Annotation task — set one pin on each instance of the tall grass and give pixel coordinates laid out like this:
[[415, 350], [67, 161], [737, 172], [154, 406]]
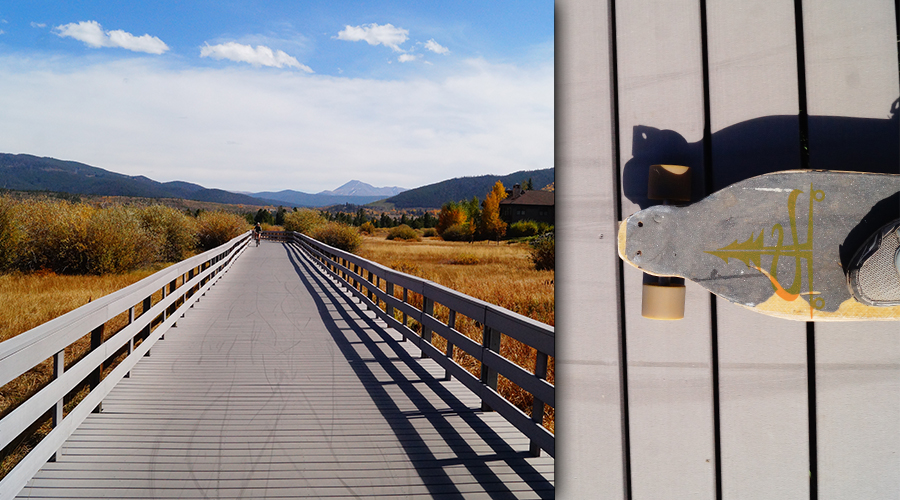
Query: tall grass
[[31, 299], [500, 274], [45, 234]]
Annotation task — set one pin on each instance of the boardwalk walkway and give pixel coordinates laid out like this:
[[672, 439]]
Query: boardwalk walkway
[[275, 386]]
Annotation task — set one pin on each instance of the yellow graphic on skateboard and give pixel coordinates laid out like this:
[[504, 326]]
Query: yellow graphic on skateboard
[[750, 252]]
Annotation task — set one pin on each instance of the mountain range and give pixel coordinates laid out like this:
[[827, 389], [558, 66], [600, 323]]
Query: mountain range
[[32, 173], [354, 192], [25, 172]]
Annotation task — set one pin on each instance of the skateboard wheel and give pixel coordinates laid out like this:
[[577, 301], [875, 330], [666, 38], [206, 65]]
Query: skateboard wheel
[[669, 182], [663, 301]]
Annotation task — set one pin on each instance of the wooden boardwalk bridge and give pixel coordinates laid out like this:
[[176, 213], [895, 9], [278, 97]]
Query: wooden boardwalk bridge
[[279, 382]]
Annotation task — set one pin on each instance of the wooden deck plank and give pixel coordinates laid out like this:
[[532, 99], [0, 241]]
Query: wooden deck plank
[[272, 387]]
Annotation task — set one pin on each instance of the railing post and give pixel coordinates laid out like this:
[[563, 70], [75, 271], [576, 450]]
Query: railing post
[[537, 411], [428, 309], [59, 366], [378, 286], [490, 341], [94, 377], [130, 339], [174, 305], [388, 308], [451, 323], [165, 313], [145, 332], [405, 301]]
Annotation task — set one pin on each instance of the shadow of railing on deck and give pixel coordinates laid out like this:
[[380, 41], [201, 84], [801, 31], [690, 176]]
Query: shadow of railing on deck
[[430, 468]]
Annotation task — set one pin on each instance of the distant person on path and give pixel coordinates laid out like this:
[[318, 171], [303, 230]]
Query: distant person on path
[[256, 232]]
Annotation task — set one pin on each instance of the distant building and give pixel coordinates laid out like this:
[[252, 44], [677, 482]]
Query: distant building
[[528, 205]]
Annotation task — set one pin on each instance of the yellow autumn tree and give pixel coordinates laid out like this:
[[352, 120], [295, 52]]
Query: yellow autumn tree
[[492, 227], [452, 214]]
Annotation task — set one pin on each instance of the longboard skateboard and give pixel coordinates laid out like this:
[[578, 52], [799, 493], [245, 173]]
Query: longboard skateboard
[[777, 243]]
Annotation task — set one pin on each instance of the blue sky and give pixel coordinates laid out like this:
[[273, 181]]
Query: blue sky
[[253, 96]]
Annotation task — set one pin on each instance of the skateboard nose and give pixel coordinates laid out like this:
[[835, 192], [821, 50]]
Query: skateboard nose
[[647, 240]]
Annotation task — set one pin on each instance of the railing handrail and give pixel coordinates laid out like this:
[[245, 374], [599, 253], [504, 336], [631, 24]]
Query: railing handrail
[[495, 319], [49, 340], [96, 312]]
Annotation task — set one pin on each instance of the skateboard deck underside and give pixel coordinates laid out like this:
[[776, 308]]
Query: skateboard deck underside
[[777, 243]]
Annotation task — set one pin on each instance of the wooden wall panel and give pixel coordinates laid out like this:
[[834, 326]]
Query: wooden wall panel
[[849, 84], [753, 89], [661, 120], [852, 80], [589, 417]]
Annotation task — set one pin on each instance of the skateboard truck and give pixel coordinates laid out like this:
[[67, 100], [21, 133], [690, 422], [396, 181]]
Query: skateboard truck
[[663, 296]]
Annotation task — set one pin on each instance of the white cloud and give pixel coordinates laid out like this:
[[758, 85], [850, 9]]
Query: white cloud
[[407, 57], [288, 130], [259, 56], [2, 32], [436, 47], [375, 34], [92, 34], [38, 25]]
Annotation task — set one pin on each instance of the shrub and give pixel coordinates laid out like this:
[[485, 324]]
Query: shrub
[[338, 235], [217, 228], [178, 231], [117, 242], [543, 252], [522, 228], [403, 232], [367, 228], [452, 214], [56, 236], [464, 259], [303, 221], [457, 232], [77, 238], [12, 236], [429, 232]]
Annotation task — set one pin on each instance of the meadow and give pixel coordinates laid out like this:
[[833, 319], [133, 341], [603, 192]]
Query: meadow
[[31, 299], [57, 255], [500, 273]]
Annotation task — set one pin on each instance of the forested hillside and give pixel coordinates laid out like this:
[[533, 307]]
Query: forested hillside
[[464, 188], [33, 173]]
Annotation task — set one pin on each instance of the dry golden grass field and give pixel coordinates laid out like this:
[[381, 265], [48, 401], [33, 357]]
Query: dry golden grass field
[[32, 299], [502, 274]]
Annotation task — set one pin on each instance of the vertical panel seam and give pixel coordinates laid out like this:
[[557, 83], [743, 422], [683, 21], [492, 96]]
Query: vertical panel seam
[[620, 266], [897, 34], [805, 163], [713, 312], [811, 405]]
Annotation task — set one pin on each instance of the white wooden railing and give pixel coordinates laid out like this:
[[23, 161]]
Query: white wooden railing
[[375, 285], [163, 298], [174, 290]]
